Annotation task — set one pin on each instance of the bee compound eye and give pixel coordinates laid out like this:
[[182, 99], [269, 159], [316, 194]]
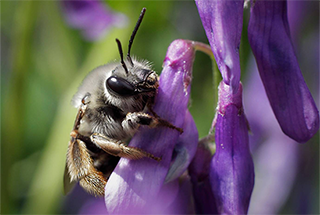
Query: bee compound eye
[[120, 86]]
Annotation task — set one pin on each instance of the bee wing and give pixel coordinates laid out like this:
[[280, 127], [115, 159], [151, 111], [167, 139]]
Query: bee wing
[[68, 185]]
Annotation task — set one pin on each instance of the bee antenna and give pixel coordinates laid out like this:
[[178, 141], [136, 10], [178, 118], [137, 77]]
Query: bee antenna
[[134, 33], [121, 55]]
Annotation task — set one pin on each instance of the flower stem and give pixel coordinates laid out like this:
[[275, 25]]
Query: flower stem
[[198, 46]]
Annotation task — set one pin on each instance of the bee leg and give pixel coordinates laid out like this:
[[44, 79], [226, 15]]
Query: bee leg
[[118, 148], [79, 164], [94, 183], [80, 168], [133, 120]]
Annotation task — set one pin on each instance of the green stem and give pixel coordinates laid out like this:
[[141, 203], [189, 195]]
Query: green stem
[[198, 46]]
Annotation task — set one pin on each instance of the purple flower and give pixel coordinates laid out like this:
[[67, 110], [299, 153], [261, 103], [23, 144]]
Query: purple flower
[[288, 94], [184, 149], [93, 206], [183, 202], [222, 21], [93, 18], [134, 185], [199, 170], [232, 173]]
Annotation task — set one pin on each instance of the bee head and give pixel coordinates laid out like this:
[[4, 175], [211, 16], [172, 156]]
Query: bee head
[[139, 78]]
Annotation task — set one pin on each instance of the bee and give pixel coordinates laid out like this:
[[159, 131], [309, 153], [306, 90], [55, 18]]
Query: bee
[[113, 101]]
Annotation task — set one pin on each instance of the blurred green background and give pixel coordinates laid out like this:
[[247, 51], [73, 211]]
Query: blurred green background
[[43, 61]]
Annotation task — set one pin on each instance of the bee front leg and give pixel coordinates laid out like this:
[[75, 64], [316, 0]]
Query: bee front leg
[[118, 148], [133, 120]]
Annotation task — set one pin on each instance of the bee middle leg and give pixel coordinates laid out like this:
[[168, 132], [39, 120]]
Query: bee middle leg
[[118, 148], [133, 120]]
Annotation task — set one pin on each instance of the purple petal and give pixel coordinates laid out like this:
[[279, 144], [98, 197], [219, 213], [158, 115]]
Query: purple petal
[[183, 204], [184, 150], [135, 184], [94, 18], [232, 174], [94, 206], [222, 21], [288, 94], [199, 173]]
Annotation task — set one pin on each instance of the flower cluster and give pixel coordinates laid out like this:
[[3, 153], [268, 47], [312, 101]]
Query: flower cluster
[[231, 171], [192, 177]]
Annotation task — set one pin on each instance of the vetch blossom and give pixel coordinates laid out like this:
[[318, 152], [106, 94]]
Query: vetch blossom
[[199, 170], [183, 203], [134, 185], [93, 206], [222, 22], [289, 96], [184, 149], [93, 18], [231, 171]]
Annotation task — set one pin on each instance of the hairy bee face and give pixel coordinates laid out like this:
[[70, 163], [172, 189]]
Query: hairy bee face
[[140, 79]]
